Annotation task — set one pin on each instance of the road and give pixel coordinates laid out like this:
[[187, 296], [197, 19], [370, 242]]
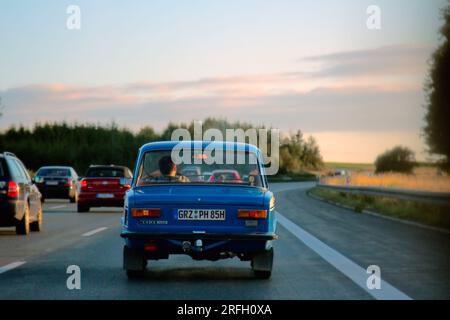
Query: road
[[323, 253]]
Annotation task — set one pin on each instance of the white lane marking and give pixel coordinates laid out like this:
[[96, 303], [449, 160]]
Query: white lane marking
[[58, 207], [349, 268], [90, 233], [11, 266]]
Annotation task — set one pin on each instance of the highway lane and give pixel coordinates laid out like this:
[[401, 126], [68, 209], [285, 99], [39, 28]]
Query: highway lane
[[412, 260]]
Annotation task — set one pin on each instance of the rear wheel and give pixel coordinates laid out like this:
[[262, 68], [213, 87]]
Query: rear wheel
[[134, 262], [83, 208], [262, 264], [23, 226], [36, 226]]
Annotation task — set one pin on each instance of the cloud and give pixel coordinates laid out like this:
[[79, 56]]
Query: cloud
[[351, 108], [366, 97], [383, 61]]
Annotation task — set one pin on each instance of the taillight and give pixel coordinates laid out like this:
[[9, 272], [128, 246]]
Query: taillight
[[125, 183], [13, 190], [83, 184], [151, 246], [146, 213], [252, 214], [68, 183], [126, 186]]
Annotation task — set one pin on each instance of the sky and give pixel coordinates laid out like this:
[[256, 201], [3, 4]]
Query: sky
[[290, 64]]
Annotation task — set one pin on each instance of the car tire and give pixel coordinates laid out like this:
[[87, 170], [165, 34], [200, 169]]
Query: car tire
[[83, 208], [134, 262], [36, 226], [23, 226], [262, 264]]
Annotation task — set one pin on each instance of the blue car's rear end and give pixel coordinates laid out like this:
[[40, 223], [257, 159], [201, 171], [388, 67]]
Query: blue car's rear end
[[204, 220]]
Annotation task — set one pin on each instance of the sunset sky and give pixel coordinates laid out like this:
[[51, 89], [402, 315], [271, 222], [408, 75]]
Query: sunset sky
[[290, 64]]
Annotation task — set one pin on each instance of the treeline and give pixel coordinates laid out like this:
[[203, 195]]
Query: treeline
[[80, 145]]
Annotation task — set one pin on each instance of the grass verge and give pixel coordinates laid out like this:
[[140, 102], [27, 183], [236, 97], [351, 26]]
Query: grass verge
[[428, 214], [293, 177]]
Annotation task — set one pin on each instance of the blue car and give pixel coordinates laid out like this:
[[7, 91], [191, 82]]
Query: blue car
[[185, 200]]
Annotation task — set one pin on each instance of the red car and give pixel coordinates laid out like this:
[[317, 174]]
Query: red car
[[104, 186], [225, 176]]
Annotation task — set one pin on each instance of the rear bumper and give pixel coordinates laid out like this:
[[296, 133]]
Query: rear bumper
[[91, 199], [196, 236]]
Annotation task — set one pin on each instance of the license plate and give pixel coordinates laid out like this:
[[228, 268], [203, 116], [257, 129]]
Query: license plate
[[52, 183], [202, 214], [105, 195]]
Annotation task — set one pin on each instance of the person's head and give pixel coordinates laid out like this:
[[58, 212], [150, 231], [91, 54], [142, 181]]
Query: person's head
[[167, 166]]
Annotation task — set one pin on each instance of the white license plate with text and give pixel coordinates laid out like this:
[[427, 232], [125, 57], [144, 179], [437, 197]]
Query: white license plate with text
[[105, 196], [202, 214]]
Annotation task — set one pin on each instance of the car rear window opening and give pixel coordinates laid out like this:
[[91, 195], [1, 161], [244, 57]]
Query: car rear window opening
[[105, 173], [53, 173]]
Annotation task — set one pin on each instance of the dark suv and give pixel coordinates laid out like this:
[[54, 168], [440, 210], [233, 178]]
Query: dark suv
[[20, 199], [57, 183]]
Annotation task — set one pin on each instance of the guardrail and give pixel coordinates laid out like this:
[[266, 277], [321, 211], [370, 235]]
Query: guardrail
[[441, 198]]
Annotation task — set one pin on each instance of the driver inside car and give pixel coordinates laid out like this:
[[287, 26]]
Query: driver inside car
[[168, 171]]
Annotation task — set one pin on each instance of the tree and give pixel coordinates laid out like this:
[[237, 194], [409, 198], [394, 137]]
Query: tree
[[399, 159], [437, 129], [297, 155]]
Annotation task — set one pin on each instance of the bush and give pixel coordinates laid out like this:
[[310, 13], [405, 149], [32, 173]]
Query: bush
[[399, 159]]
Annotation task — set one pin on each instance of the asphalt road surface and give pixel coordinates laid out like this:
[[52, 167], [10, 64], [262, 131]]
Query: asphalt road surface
[[323, 253]]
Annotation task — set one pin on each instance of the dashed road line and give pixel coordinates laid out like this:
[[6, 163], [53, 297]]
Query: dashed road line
[[346, 266], [92, 232], [11, 266], [58, 207]]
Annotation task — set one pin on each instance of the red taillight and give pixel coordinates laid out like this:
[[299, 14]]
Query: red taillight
[[13, 190], [126, 186], [146, 213], [68, 183], [151, 246], [83, 184], [252, 214]]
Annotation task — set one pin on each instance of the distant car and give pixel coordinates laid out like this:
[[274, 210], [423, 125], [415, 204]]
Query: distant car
[[20, 199], [57, 183], [104, 186], [207, 175], [193, 173], [167, 214], [225, 176], [340, 173]]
